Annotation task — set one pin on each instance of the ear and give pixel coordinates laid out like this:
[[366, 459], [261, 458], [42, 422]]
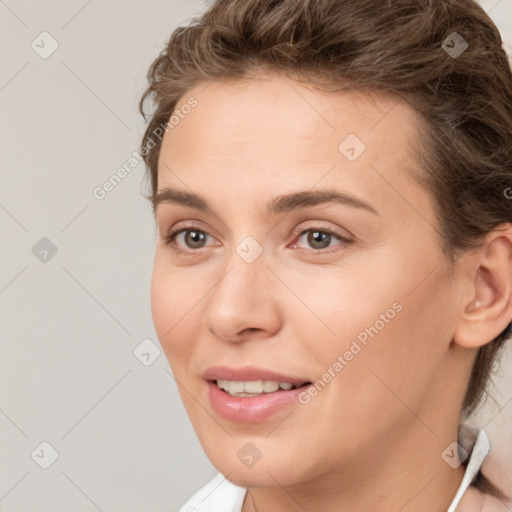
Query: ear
[[486, 309]]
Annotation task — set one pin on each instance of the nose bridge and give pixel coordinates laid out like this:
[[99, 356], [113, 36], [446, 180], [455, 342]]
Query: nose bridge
[[249, 250], [242, 298], [245, 269]]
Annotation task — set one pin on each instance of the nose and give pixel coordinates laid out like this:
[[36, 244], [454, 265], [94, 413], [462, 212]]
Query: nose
[[244, 302]]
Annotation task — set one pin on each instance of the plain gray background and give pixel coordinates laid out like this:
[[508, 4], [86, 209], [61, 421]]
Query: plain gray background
[[75, 273]]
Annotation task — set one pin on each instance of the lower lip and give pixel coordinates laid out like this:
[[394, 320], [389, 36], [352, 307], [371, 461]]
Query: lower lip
[[251, 409]]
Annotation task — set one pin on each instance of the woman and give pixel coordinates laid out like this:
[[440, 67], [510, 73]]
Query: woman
[[332, 281]]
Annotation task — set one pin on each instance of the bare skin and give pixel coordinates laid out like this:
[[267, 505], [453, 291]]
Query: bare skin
[[372, 439]]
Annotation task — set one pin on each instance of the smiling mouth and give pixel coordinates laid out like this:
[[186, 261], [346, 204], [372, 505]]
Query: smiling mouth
[[255, 387]]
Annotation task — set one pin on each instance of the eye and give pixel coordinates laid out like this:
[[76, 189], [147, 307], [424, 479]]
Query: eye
[[194, 238], [319, 238]]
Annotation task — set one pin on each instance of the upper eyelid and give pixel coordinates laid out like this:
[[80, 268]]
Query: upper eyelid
[[311, 225]]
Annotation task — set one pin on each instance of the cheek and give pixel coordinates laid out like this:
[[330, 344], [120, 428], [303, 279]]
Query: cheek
[[173, 312], [346, 305], [388, 318], [405, 355]]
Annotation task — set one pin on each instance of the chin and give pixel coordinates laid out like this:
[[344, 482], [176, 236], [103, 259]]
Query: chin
[[258, 477], [247, 473]]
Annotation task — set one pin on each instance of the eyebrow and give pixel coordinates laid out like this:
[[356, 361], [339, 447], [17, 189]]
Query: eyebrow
[[277, 205]]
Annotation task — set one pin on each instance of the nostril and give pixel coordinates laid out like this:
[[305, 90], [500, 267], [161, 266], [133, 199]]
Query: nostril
[[249, 329]]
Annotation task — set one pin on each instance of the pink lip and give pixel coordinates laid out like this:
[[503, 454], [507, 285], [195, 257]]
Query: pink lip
[[249, 409]]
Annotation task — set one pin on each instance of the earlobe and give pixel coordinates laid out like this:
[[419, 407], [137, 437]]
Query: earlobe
[[488, 310]]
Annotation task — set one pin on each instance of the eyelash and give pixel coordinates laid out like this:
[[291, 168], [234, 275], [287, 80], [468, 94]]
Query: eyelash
[[170, 237]]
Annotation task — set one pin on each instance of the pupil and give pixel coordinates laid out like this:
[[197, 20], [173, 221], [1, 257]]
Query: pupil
[[194, 235], [318, 237]]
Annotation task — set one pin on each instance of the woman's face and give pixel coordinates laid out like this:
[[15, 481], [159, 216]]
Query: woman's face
[[351, 295]]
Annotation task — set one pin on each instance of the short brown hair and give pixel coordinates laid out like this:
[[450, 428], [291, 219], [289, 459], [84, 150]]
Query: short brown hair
[[464, 146]]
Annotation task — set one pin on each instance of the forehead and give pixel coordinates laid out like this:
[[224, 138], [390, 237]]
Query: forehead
[[274, 111], [271, 131]]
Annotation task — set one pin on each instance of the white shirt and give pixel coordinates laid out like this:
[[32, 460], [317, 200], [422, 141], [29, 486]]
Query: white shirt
[[220, 494]]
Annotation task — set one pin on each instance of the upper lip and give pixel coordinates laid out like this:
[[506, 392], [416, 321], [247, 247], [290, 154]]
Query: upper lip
[[249, 373]]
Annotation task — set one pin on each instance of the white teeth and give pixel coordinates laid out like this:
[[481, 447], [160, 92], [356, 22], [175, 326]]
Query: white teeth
[[235, 386], [269, 386], [253, 387]]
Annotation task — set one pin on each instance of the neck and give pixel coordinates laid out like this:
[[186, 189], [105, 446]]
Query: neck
[[405, 474]]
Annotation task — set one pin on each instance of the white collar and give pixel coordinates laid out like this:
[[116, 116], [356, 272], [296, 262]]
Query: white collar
[[480, 451]]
